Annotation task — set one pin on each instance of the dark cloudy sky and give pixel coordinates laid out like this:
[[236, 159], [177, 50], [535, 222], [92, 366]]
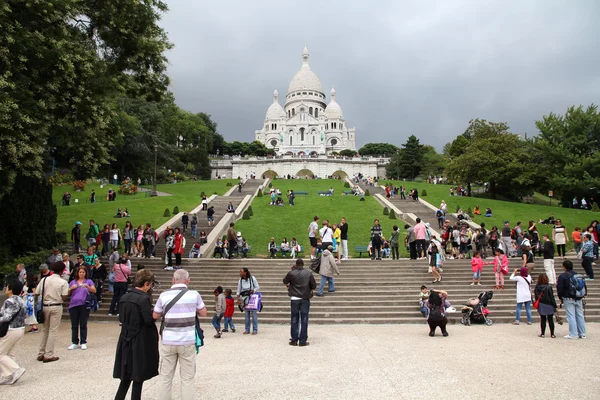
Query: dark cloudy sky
[[398, 67]]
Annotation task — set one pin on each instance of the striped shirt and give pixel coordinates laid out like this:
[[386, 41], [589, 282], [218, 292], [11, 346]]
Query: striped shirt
[[179, 329]]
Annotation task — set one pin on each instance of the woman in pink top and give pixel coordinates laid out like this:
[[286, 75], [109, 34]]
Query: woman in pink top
[[122, 271], [477, 266], [500, 268], [139, 237]]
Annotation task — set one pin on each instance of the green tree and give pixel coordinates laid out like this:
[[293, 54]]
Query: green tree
[[348, 153], [378, 149], [434, 163], [568, 151]]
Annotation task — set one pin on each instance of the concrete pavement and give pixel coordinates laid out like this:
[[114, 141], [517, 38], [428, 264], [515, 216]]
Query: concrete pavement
[[342, 362]]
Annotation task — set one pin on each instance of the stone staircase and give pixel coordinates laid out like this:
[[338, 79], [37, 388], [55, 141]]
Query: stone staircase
[[367, 292], [220, 203]]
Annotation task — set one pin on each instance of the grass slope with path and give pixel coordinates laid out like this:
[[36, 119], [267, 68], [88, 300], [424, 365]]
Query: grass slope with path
[[503, 210], [143, 209], [287, 221]]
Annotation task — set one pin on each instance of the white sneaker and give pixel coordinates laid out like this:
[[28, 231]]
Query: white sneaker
[[582, 337], [570, 337], [472, 284], [72, 347], [16, 375], [168, 268], [84, 346]]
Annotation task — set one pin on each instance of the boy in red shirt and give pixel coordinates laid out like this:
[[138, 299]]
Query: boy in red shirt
[[228, 317]]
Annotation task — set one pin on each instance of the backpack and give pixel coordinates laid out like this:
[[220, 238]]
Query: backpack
[[91, 302], [439, 213], [577, 288], [315, 265], [513, 234]]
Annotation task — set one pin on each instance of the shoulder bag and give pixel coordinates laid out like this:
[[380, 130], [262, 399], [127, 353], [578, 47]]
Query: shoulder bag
[[129, 278], [536, 304], [168, 307], [39, 314]]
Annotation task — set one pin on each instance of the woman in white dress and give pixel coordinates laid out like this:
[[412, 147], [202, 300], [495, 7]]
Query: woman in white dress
[[561, 237]]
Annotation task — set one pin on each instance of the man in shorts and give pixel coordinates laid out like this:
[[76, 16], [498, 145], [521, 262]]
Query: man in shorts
[[313, 234]]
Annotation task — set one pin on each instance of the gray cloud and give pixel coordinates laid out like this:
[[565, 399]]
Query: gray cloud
[[399, 68]]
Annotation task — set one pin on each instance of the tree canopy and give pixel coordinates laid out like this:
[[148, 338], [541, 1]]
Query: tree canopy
[[378, 149]]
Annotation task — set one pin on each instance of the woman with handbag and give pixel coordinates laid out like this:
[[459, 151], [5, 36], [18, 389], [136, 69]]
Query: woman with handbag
[[523, 279], [78, 312], [12, 319], [122, 272], [247, 286], [545, 304]]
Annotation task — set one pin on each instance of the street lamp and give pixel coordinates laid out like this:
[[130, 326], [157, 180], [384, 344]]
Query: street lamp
[[154, 192], [398, 162]]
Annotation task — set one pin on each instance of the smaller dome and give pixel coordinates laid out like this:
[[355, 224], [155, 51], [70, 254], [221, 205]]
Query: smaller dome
[[275, 111], [333, 109]]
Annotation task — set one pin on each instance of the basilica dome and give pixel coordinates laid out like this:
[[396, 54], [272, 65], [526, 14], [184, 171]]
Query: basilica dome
[[275, 111], [305, 78], [333, 109]]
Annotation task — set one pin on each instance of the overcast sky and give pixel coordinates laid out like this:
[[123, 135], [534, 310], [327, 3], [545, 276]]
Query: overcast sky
[[398, 67]]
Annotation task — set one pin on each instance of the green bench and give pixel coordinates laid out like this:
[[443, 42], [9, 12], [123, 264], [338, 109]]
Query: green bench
[[361, 249], [327, 193], [348, 192], [301, 193]]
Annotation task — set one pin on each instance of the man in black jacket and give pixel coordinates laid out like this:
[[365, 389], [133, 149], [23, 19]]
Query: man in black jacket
[[300, 283]]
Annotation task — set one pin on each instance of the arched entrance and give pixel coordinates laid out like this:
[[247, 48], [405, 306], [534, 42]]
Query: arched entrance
[[339, 174], [305, 173], [270, 174]]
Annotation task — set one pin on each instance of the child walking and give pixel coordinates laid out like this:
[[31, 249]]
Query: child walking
[[229, 308], [477, 266], [500, 268], [220, 305]]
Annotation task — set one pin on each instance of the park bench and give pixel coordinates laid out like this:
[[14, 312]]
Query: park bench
[[361, 249], [301, 193], [348, 192], [327, 193], [283, 253]]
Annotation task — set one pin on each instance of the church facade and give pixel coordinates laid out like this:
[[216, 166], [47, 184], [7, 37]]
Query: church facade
[[306, 124]]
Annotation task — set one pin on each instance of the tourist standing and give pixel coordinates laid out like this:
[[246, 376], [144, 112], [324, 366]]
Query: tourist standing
[[149, 241], [395, 242], [76, 237], [376, 240], [178, 247], [136, 358], [194, 225], [53, 291], [14, 312], [231, 239], [122, 271], [547, 304], [78, 312], [559, 235], [572, 297], [313, 233], [409, 240], [247, 286], [500, 268], [506, 239], [115, 236], [300, 283], [326, 234], [93, 233], [344, 238], [548, 254], [587, 256], [178, 344], [184, 222], [420, 235], [523, 280], [327, 268], [128, 236]]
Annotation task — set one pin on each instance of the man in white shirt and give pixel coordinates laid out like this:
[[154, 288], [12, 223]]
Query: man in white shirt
[[326, 235], [178, 343], [313, 231]]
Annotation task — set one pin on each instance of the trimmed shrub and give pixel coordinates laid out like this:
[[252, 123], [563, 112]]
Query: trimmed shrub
[[595, 207], [457, 208], [167, 213], [393, 214], [367, 193], [346, 185], [246, 215], [228, 184], [386, 211], [176, 210], [202, 194], [470, 212], [423, 193], [259, 194], [270, 185], [250, 212]]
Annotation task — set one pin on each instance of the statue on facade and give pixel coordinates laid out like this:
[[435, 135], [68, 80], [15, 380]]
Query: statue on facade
[[281, 137]]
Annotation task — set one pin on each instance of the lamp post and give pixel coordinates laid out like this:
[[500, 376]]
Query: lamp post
[[398, 162], [154, 192]]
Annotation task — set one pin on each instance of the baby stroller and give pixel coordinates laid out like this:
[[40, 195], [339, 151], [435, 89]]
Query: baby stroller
[[476, 311]]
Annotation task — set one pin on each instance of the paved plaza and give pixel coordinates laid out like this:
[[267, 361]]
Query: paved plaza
[[342, 362]]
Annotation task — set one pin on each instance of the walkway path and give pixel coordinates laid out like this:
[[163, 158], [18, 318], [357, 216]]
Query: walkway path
[[358, 361]]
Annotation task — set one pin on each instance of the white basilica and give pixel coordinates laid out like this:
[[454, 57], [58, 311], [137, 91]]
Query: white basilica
[[306, 124]]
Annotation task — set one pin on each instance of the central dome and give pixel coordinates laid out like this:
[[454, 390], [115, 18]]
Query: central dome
[[305, 79]]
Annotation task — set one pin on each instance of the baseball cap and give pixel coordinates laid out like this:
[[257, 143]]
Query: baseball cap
[[77, 223]]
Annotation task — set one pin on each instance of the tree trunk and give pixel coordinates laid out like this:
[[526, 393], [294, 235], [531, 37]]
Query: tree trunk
[[469, 189], [493, 190]]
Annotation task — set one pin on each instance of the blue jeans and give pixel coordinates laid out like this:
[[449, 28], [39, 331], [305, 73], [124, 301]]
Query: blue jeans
[[574, 309], [300, 310], [254, 321], [527, 310], [329, 280], [194, 230], [228, 323], [216, 322], [424, 309]]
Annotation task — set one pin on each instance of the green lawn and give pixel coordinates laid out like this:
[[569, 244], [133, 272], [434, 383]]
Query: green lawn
[[287, 221], [503, 210], [185, 195]]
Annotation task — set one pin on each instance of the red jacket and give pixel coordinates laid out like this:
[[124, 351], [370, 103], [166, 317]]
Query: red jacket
[[178, 246], [229, 306]]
